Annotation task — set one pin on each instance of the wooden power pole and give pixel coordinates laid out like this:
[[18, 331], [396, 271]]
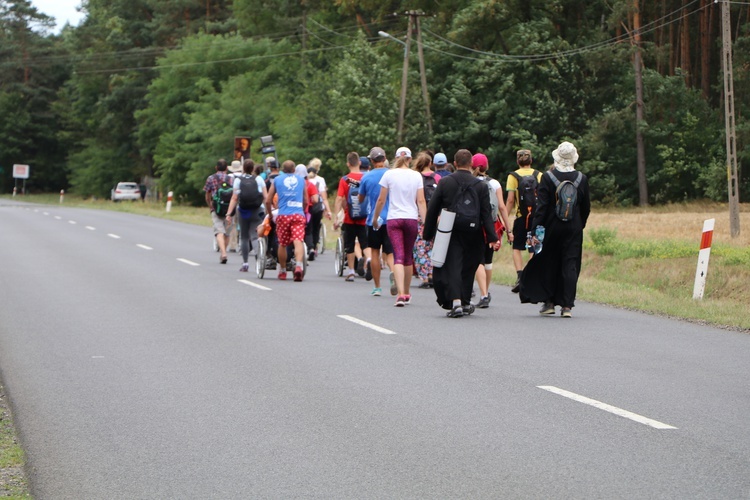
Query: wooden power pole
[[726, 62], [413, 23], [640, 147]]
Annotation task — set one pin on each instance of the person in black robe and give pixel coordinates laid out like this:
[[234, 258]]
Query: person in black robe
[[453, 281], [551, 277]]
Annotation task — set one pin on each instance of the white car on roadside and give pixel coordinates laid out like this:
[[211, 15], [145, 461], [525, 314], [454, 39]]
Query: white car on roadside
[[126, 191]]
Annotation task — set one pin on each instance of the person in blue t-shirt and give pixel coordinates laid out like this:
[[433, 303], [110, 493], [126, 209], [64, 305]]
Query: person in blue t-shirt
[[377, 240], [290, 221]]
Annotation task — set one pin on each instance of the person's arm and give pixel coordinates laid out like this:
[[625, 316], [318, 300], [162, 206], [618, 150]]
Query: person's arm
[[305, 197], [324, 194], [421, 205], [585, 202], [269, 199], [209, 201], [503, 209], [379, 206], [336, 208]]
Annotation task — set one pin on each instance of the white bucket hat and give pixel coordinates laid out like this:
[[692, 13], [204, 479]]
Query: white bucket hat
[[565, 157]]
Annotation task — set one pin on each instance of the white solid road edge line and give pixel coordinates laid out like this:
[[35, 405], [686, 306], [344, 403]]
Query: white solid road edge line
[[608, 408], [377, 328], [255, 285], [188, 262]]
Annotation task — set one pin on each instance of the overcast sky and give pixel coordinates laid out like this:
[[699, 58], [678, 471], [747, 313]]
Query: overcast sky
[[62, 10]]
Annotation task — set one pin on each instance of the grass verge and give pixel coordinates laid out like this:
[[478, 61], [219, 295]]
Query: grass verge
[[13, 481]]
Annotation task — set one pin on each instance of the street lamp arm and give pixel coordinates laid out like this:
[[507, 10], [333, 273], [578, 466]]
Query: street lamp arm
[[388, 35]]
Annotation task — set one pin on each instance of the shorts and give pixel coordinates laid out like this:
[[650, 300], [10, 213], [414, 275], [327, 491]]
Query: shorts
[[220, 224], [352, 232], [519, 235], [290, 228], [379, 239], [489, 253]]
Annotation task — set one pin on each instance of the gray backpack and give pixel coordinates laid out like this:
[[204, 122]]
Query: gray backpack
[[566, 196]]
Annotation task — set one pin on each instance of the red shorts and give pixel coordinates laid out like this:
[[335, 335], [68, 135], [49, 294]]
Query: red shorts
[[290, 228]]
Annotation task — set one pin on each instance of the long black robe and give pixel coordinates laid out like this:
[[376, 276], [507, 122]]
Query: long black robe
[[455, 278], [552, 275]]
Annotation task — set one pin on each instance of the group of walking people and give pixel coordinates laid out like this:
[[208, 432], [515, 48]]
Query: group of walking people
[[390, 214]]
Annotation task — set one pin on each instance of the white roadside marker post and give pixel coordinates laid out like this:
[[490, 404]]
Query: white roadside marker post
[[169, 201], [62, 195], [703, 255]]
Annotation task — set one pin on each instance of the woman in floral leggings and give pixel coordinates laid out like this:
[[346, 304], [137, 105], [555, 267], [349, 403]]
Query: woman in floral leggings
[[423, 248]]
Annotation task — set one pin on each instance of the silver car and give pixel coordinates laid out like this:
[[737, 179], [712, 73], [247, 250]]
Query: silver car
[[126, 191]]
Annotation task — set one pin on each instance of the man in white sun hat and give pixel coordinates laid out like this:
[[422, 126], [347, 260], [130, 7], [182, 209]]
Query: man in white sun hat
[[563, 207]]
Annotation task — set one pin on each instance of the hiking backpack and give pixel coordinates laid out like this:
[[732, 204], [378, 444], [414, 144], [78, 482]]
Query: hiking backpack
[[527, 194], [357, 210], [493, 197], [430, 185], [222, 197], [566, 196], [467, 208], [249, 197]]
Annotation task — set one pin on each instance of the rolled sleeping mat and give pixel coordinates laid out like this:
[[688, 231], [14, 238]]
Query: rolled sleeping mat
[[442, 237]]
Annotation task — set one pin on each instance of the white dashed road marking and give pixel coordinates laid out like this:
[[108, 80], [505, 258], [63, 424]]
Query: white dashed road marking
[[145, 247], [113, 236], [360, 322], [255, 285], [188, 262], [72, 222], [91, 228], [58, 217], [608, 408]]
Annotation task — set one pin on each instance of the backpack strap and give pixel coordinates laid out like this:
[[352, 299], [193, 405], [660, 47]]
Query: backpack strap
[[554, 177], [517, 177], [578, 180]]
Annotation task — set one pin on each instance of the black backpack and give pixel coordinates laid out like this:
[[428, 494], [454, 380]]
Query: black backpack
[[467, 208], [222, 197], [527, 194], [566, 196], [430, 185], [249, 197]]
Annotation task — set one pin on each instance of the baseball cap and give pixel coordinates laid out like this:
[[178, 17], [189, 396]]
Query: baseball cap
[[479, 161], [377, 153], [403, 151], [364, 163], [440, 159]]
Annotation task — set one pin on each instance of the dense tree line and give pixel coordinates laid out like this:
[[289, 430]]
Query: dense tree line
[[158, 89]]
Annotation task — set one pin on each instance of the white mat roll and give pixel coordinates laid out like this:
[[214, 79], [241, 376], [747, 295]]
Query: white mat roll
[[442, 237]]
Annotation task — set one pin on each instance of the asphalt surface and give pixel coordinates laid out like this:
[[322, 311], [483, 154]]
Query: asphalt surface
[[133, 374]]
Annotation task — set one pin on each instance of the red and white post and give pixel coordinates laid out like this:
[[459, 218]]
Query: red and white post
[[703, 255], [169, 201]]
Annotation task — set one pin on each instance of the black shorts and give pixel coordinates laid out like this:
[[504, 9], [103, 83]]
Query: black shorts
[[352, 232], [379, 239], [519, 234], [488, 254]]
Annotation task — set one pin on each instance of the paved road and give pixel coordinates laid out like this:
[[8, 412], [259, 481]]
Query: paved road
[[134, 374]]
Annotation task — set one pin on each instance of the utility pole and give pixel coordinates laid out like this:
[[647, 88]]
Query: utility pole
[[423, 75], [404, 78], [732, 178], [638, 70]]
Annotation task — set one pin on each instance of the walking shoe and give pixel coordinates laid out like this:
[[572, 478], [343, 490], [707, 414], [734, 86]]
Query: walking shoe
[[394, 288], [424, 285], [298, 274], [361, 267], [310, 256], [456, 312], [517, 287], [223, 259], [376, 292], [484, 303], [368, 271], [350, 277], [566, 313], [400, 302], [407, 299], [547, 308], [282, 275], [468, 309], [245, 267]]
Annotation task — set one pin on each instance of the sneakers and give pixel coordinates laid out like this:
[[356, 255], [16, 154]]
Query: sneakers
[[468, 309], [376, 292], [400, 301], [223, 259], [245, 267], [547, 309], [298, 274], [368, 271], [456, 312], [282, 275], [566, 313], [517, 287], [425, 285], [392, 279], [350, 277], [311, 255], [407, 299], [484, 302], [361, 267]]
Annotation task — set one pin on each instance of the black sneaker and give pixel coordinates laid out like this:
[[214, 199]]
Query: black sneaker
[[547, 309], [456, 312], [483, 303], [468, 309], [368, 271], [361, 267], [517, 287]]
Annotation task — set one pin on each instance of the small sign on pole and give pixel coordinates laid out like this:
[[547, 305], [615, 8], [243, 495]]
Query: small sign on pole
[[21, 171], [703, 255]]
